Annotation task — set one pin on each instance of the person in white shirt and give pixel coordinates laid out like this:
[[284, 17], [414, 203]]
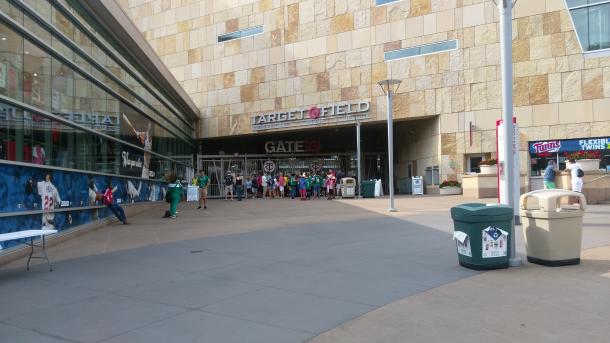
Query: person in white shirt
[[577, 181]]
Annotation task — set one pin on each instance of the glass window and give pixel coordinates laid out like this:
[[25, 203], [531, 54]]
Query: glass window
[[421, 50], [240, 34], [592, 24], [384, 2], [11, 63], [9, 9], [36, 77]]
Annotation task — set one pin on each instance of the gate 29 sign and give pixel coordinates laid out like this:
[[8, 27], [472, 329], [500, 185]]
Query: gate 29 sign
[[314, 115]]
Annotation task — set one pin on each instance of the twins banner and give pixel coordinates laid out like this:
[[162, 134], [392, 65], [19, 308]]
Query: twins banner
[[60, 199]]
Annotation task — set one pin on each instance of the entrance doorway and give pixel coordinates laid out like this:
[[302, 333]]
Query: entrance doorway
[[374, 166]]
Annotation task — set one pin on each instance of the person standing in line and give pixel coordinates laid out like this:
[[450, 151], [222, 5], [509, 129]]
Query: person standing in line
[[317, 185], [293, 184], [281, 185], [110, 202], [174, 190], [259, 185], [303, 186], [239, 186], [203, 181], [270, 185], [330, 184], [229, 189], [549, 175], [265, 184], [249, 194], [309, 186]]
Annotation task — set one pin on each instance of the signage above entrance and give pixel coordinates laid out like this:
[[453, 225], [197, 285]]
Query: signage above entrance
[[329, 114], [292, 147]]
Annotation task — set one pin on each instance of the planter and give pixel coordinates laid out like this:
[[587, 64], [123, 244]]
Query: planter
[[489, 170], [451, 190], [586, 164]]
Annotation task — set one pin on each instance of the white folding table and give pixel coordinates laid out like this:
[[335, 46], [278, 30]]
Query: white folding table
[[31, 234]]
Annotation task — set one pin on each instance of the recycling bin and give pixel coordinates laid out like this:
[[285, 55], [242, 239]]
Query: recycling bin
[[552, 228], [368, 189], [482, 232], [348, 187]]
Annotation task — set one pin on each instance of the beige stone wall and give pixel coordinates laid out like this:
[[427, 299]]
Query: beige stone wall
[[321, 51]]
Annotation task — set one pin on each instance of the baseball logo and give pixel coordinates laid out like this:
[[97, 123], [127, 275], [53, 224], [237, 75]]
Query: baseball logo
[[314, 112]]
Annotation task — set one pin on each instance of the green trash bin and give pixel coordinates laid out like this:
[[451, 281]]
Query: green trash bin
[[482, 235], [368, 189]]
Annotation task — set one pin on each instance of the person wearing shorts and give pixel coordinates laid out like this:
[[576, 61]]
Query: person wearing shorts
[[202, 182], [229, 181], [549, 175]]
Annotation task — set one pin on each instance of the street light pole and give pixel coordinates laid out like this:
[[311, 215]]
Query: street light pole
[[389, 87], [506, 43], [359, 156]]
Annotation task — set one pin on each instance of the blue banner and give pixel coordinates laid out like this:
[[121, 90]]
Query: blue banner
[[61, 195], [570, 145]]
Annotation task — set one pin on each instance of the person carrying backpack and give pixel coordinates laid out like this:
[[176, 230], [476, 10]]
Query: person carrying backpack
[[109, 201], [577, 175]]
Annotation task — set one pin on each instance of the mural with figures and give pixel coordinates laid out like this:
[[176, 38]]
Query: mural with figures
[[60, 199]]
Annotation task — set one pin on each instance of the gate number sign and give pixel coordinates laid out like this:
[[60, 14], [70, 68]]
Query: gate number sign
[[269, 166]]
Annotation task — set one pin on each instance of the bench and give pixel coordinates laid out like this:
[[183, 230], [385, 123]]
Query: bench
[[31, 234]]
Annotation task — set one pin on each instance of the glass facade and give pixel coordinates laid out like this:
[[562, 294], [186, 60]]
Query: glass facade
[[78, 113], [591, 20], [70, 98]]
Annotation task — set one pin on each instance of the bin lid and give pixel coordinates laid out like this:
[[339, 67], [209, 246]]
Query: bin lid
[[347, 180], [476, 212], [549, 200]]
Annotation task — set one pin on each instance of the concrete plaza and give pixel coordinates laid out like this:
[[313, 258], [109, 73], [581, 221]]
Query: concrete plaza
[[291, 271]]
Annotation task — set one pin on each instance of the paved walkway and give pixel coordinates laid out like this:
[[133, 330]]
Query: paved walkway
[[284, 271]]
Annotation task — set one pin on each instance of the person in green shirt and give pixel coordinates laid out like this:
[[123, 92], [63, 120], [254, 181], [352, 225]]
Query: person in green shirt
[[317, 185], [309, 185], [175, 194], [203, 181], [293, 183]]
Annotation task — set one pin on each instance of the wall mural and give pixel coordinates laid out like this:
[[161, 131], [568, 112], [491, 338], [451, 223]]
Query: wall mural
[[61, 196]]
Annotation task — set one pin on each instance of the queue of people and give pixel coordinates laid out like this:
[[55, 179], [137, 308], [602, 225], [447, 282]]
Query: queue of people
[[304, 186]]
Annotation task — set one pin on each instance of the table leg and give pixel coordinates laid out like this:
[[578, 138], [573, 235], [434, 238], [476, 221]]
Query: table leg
[[31, 252], [44, 251]]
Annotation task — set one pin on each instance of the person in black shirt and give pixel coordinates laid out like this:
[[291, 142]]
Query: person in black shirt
[[229, 181], [239, 186]]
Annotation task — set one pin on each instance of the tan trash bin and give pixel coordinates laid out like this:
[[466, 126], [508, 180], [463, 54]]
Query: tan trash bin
[[552, 228], [348, 187]]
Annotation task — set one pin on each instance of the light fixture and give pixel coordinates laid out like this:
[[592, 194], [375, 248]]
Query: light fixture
[[3, 38], [389, 88], [35, 74]]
